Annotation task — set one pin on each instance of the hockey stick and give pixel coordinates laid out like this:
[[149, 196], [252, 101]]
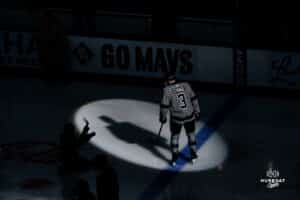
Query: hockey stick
[[155, 139], [159, 132]]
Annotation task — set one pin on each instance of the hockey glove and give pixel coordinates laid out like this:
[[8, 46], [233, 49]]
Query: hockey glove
[[197, 116], [162, 120]]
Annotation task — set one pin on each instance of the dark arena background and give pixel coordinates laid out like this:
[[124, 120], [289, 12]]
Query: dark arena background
[[81, 92]]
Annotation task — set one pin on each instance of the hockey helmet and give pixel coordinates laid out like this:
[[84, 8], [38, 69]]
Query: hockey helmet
[[170, 77]]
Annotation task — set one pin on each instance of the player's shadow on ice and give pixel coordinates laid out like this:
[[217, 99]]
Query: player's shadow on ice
[[134, 134]]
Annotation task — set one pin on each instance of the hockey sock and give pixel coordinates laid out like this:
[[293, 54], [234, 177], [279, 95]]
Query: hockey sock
[[192, 142], [174, 144]]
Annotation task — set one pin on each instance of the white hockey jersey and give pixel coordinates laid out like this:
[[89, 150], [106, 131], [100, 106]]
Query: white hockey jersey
[[181, 101]]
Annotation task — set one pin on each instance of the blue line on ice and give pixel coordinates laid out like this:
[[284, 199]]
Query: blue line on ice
[[165, 177]]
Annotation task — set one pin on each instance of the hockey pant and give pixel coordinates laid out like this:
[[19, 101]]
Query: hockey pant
[[175, 132]]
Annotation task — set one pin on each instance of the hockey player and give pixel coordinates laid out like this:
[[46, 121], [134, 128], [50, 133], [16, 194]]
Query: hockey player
[[181, 101]]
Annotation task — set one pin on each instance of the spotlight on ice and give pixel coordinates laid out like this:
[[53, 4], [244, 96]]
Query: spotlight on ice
[[128, 130]]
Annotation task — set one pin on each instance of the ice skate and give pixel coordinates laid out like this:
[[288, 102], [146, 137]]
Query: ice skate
[[174, 159], [193, 156]]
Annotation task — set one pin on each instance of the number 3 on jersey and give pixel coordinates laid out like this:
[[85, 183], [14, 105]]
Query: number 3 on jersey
[[181, 101]]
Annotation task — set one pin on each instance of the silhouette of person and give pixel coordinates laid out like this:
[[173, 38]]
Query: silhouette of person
[[70, 144], [107, 184], [136, 135], [82, 191], [297, 176], [68, 183]]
